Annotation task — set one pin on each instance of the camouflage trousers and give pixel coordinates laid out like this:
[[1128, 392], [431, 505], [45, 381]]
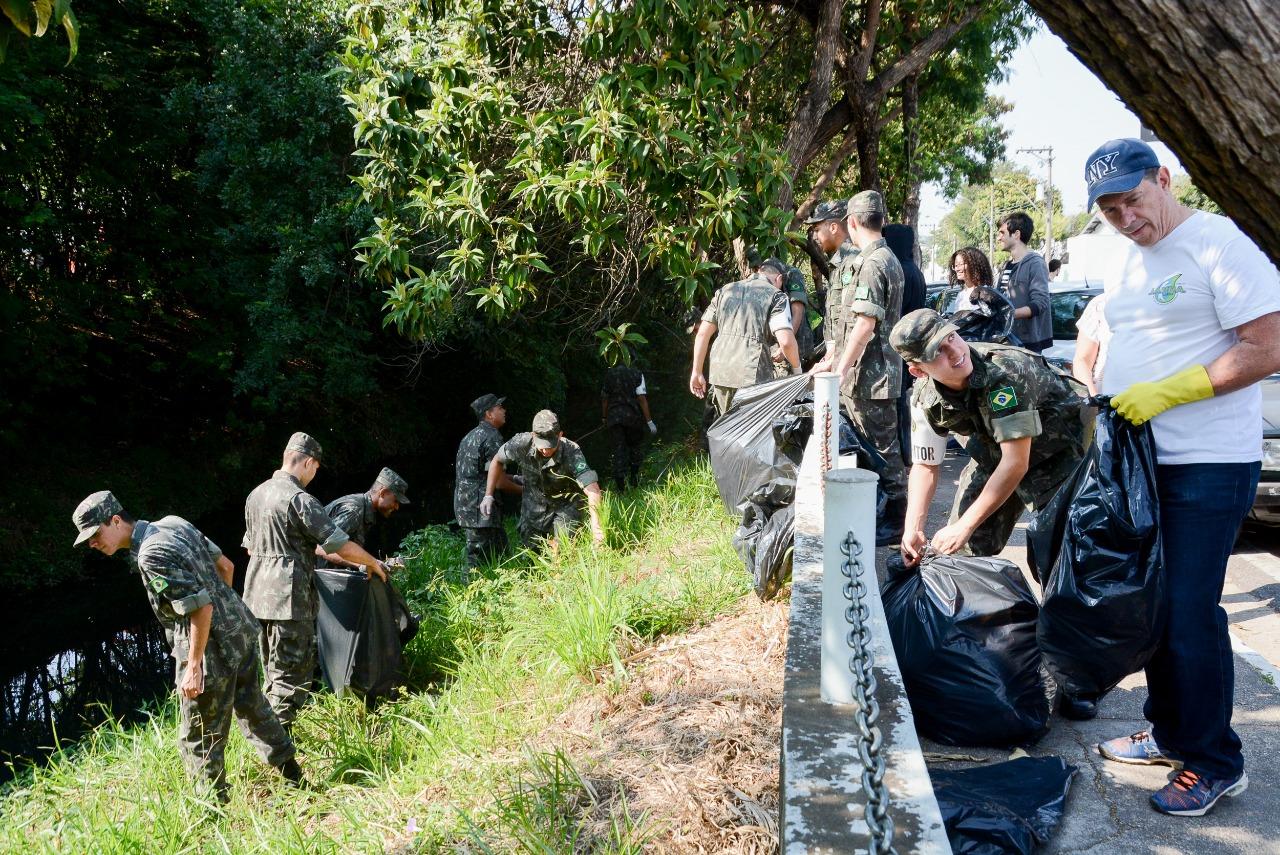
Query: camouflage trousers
[[204, 723], [991, 536], [628, 451], [877, 420], [564, 520], [484, 545], [722, 398], [289, 660]]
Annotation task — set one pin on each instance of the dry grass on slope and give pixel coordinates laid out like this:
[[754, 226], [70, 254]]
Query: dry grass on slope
[[691, 743]]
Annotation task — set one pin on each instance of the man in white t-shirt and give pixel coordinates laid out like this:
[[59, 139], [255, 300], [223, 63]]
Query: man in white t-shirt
[[1194, 312]]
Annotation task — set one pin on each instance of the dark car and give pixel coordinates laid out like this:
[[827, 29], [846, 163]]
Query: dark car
[[1067, 301]]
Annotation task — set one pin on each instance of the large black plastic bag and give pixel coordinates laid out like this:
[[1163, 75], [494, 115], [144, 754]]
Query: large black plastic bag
[[1004, 807], [964, 630], [1096, 546], [361, 631], [764, 540], [793, 426], [744, 453], [991, 318]]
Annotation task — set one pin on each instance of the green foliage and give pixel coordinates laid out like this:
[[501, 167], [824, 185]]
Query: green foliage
[[616, 343], [1192, 196], [450, 759], [33, 17], [512, 148], [978, 210]]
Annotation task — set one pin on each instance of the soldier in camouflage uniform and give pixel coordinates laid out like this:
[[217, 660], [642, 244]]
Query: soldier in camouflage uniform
[[558, 481], [283, 526], [1023, 418], [212, 636], [829, 230], [745, 318], [798, 296], [870, 303], [624, 409], [356, 513], [485, 534]]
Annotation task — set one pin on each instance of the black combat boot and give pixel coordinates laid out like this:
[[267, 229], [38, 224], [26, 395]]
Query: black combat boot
[[619, 483], [292, 772]]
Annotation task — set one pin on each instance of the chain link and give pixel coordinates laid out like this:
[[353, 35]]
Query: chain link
[[867, 714], [826, 448]]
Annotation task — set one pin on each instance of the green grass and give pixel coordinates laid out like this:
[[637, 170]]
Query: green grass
[[457, 762]]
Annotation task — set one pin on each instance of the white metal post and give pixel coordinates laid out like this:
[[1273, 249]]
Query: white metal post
[[826, 416], [850, 504]]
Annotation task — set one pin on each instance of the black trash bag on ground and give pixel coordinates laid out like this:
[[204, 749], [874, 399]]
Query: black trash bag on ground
[[991, 319], [1097, 547], [1005, 807], [744, 453], [361, 631], [964, 630], [765, 539]]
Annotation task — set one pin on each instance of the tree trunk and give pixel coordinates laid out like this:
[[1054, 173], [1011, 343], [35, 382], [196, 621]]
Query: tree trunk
[[816, 97], [910, 143], [1205, 76]]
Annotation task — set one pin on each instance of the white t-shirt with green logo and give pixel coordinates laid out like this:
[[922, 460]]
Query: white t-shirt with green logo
[[1176, 304]]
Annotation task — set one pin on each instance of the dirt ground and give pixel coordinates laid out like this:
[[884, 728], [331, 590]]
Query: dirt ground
[[692, 740]]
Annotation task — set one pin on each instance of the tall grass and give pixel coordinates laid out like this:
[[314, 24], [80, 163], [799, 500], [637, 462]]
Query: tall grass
[[449, 765]]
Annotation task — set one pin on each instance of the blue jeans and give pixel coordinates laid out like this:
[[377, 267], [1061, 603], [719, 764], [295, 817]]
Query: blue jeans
[[1191, 678]]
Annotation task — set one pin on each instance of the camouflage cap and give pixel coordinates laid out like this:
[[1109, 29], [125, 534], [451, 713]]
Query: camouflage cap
[[753, 257], [795, 278], [776, 265], [837, 210], [393, 482], [868, 202], [919, 334], [305, 444], [485, 403], [95, 510], [546, 429]]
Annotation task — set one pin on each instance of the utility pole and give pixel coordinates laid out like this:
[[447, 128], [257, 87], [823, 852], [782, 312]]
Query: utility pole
[[1045, 155]]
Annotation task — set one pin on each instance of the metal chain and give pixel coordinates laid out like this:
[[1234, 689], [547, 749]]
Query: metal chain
[[826, 449], [867, 714]]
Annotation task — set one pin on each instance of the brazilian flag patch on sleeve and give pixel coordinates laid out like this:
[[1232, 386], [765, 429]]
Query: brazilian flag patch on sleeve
[[159, 583], [1003, 398]]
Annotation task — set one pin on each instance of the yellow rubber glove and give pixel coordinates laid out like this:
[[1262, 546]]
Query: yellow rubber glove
[[1144, 401]]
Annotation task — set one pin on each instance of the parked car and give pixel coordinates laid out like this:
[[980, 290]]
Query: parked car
[[1067, 301], [1266, 501]]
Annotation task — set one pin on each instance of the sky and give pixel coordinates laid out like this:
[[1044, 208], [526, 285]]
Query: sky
[[1057, 102]]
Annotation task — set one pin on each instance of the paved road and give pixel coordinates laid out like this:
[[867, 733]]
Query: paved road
[[1107, 809]]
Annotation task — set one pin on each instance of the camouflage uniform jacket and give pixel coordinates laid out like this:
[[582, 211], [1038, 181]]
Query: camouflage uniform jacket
[[549, 482], [283, 526], [872, 286], [619, 389], [354, 514], [472, 471], [176, 563], [841, 261], [1013, 393], [742, 312]]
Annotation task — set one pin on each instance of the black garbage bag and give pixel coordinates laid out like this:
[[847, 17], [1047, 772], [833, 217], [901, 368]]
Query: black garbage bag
[[361, 631], [1002, 808], [964, 630], [766, 537], [1096, 546], [991, 318], [793, 426], [744, 453]]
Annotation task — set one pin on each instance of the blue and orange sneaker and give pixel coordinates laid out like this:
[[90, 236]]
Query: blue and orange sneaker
[[1192, 794], [1140, 749]]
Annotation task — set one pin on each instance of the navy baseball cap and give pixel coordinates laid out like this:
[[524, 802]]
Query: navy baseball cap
[[1117, 166]]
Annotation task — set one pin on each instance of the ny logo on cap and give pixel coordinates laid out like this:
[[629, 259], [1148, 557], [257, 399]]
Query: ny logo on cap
[[1101, 168]]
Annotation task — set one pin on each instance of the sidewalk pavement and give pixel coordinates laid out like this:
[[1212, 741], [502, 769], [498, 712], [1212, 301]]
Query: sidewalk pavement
[[1107, 809]]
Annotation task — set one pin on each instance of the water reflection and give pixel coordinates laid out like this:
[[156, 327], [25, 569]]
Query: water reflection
[[71, 692]]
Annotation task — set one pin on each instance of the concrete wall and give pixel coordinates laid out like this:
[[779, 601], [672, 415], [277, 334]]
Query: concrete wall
[[822, 800]]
